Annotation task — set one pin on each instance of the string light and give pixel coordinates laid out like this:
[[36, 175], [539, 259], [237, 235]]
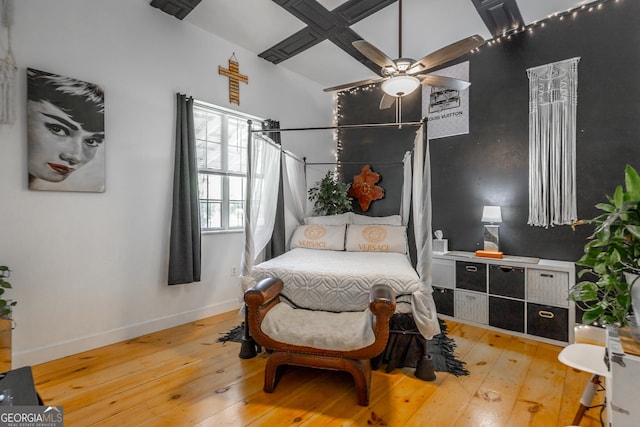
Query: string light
[[560, 16], [338, 116], [573, 12]]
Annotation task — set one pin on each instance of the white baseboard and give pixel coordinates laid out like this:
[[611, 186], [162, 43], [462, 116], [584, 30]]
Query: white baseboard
[[66, 348]]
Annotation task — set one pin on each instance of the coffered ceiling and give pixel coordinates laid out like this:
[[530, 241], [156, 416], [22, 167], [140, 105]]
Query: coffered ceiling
[[313, 37]]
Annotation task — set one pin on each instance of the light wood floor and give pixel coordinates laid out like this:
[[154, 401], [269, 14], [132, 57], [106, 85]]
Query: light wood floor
[[182, 376]]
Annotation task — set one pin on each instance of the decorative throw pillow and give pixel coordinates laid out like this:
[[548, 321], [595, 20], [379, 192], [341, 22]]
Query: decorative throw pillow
[[385, 220], [339, 219], [317, 236], [376, 238]]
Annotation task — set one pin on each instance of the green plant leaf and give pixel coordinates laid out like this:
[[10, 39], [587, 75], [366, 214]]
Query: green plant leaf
[[584, 271], [603, 235], [618, 197], [634, 230], [605, 207], [584, 291], [600, 269], [624, 300], [632, 183], [614, 257], [592, 315]]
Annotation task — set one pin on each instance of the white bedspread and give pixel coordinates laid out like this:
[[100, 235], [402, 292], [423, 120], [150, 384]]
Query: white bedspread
[[340, 281]]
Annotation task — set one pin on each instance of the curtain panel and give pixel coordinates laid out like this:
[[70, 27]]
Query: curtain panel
[[295, 193], [422, 300], [553, 100], [276, 245], [184, 242], [405, 199], [263, 182]]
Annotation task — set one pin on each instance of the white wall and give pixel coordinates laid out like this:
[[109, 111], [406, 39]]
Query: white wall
[[90, 268]]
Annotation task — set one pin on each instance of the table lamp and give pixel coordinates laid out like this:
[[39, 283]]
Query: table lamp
[[491, 214]]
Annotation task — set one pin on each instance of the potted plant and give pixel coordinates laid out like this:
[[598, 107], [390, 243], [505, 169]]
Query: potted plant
[[6, 305], [613, 250], [329, 196], [6, 320]]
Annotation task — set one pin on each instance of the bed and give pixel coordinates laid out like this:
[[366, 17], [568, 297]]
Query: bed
[[332, 267], [338, 280]]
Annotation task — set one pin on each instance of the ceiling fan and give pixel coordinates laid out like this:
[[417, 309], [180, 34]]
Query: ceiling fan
[[400, 77]]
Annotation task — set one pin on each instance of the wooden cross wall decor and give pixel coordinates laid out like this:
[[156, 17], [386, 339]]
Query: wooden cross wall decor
[[233, 72]]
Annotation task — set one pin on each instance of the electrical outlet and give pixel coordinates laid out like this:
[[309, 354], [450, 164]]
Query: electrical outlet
[[234, 271]]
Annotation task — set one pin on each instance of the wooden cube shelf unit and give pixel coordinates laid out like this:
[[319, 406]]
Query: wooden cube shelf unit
[[521, 295]]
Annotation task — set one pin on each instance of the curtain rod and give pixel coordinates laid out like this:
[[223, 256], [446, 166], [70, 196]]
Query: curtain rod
[[367, 125], [353, 163]]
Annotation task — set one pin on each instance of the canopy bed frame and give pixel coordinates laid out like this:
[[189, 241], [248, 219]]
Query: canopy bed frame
[[416, 183]]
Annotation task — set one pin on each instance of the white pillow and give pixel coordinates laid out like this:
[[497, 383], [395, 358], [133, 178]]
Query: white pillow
[[376, 238], [385, 220], [339, 219], [317, 236]]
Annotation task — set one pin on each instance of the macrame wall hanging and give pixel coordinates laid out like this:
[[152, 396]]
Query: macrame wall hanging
[[553, 98], [8, 67]]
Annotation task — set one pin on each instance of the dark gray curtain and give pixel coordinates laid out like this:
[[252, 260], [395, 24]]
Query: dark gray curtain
[[277, 245], [184, 245]]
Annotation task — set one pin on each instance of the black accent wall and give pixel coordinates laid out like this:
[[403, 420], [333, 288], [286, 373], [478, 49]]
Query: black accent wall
[[381, 148], [489, 166]]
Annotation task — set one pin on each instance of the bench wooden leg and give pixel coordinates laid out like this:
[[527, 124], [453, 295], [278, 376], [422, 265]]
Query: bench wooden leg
[[275, 360], [360, 370]]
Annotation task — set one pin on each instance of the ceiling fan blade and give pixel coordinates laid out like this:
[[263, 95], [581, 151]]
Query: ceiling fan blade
[[373, 53], [387, 101], [352, 84], [443, 82], [446, 54]]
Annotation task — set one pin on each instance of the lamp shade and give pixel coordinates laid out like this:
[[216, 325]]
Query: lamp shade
[[491, 214], [400, 85]]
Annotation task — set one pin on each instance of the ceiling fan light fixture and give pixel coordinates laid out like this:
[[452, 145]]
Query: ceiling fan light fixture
[[400, 85]]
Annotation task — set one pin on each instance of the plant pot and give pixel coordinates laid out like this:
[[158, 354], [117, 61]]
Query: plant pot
[[634, 281], [634, 331], [6, 326]]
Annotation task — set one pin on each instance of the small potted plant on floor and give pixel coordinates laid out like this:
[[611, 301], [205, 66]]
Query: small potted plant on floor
[[6, 305], [330, 196], [6, 320], [611, 258]]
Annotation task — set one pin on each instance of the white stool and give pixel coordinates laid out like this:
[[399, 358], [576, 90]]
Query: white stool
[[588, 358]]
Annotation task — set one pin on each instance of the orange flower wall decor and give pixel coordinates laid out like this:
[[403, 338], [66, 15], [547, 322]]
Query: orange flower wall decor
[[364, 187]]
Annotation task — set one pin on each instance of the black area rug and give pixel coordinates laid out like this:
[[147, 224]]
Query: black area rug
[[234, 335], [403, 350], [406, 347]]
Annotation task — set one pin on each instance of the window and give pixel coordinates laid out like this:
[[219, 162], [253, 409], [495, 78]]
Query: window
[[221, 144]]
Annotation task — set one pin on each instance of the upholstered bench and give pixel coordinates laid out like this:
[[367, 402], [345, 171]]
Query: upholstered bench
[[339, 341]]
